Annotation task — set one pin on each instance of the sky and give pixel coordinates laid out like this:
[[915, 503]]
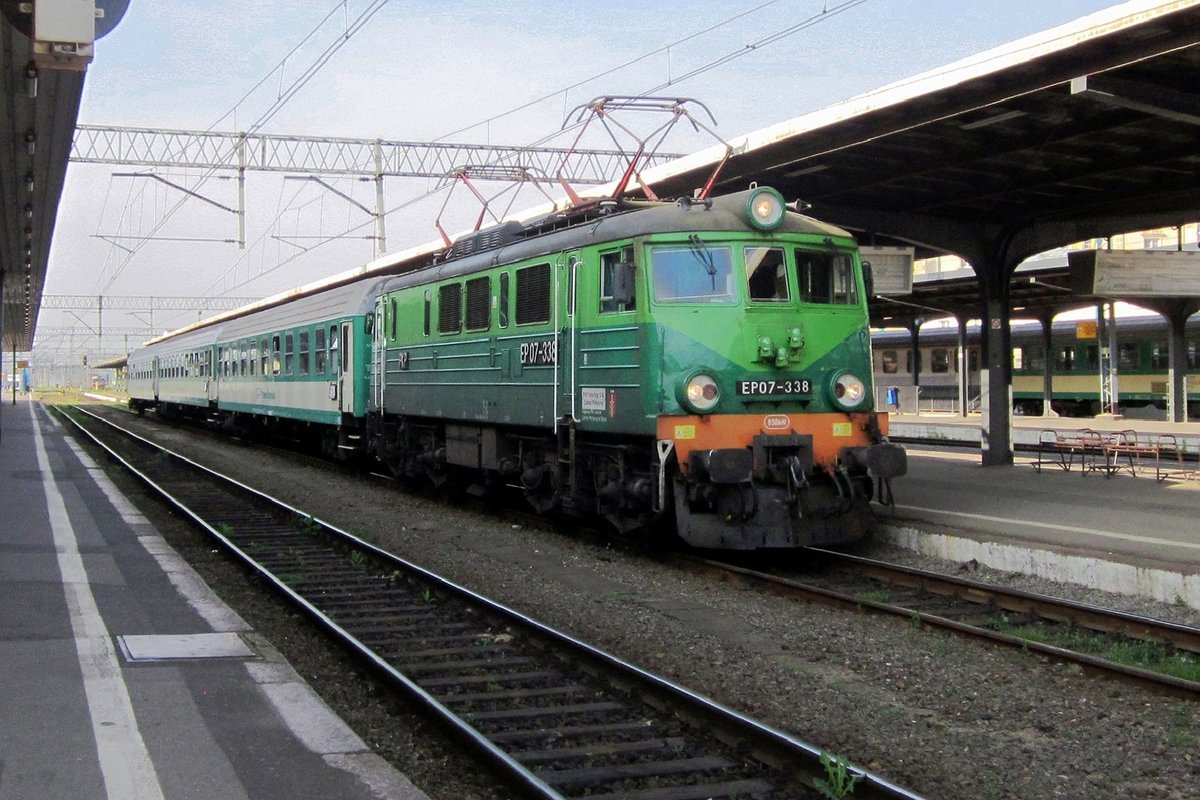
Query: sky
[[417, 70]]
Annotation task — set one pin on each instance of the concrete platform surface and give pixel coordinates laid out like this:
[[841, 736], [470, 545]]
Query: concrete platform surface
[[124, 676]]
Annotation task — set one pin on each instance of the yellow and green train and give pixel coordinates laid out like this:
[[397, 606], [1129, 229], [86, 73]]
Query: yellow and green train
[[696, 366]]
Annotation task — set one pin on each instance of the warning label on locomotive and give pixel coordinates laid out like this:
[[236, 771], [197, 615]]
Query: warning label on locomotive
[[539, 354], [593, 400], [768, 388]]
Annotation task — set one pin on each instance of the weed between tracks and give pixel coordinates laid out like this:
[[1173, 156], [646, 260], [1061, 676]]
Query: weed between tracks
[[1153, 656]]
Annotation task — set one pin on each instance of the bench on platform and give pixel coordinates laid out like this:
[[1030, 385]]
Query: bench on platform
[[1065, 449], [1113, 451], [1135, 451]]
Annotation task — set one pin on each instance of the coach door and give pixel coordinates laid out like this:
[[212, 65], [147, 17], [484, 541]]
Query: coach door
[[154, 375], [346, 370]]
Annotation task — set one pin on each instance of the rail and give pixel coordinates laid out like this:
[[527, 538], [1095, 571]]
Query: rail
[[560, 718]]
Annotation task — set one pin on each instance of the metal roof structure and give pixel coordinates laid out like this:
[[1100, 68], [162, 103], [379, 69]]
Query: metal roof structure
[[36, 126], [1084, 130]]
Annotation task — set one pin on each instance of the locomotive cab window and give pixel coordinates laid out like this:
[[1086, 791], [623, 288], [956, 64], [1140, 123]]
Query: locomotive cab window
[[694, 274], [611, 291], [766, 275], [825, 277]]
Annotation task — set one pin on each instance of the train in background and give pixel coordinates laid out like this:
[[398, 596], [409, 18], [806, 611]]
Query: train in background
[[700, 366], [1140, 360]]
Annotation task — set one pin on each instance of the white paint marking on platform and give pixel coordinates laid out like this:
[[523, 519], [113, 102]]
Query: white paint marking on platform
[[312, 722], [1051, 526], [185, 646], [124, 761]]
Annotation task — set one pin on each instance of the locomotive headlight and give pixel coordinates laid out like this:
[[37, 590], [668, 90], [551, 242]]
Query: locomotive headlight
[[765, 209], [848, 391], [699, 393]]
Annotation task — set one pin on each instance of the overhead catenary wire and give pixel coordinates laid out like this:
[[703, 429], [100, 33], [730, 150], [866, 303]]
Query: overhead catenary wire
[[279, 103]]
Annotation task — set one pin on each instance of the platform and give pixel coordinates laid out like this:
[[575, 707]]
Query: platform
[[124, 676], [1127, 533]]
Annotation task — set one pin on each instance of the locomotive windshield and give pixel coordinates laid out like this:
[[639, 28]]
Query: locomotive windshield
[[700, 273], [695, 274]]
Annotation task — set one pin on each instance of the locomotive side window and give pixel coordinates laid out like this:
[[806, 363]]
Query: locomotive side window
[[504, 281], [319, 351], [825, 277], [304, 359], [888, 362], [450, 308], [533, 295], [766, 276], [608, 281], [696, 274], [479, 303]]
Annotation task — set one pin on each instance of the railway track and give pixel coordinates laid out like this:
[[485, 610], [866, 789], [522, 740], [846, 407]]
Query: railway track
[[1090, 636], [555, 716]]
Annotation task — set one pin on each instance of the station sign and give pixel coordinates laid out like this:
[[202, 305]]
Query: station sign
[[1135, 273], [891, 268]]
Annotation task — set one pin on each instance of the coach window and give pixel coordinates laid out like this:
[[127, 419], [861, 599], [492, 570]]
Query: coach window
[[479, 304], [504, 280], [825, 277], [766, 277], [939, 360], [533, 295], [888, 362], [1128, 356], [253, 357], [1065, 360], [276, 360], [973, 359], [264, 357], [243, 369], [319, 351], [289, 353], [1193, 353], [304, 352], [334, 347], [608, 276], [1092, 353], [1019, 359]]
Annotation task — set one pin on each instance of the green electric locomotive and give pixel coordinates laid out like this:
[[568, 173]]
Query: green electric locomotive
[[702, 361]]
